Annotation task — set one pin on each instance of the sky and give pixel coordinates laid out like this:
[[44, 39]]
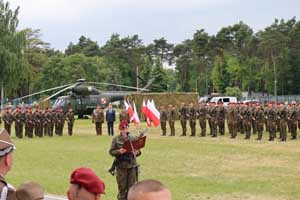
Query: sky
[[64, 21]]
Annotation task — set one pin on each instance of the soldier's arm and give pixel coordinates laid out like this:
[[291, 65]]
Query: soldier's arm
[[114, 150]]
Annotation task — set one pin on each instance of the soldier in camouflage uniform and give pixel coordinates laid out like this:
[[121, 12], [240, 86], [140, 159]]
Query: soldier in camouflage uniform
[[98, 119], [29, 123], [126, 164], [247, 118], [60, 121], [183, 116], [266, 110], [163, 120], [171, 118], [124, 115], [293, 117], [239, 120], [37, 122], [46, 121], [282, 116], [212, 117], [7, 119], [70, 120], [221, 118], [51, 118], [272, 117], [202, 114], [259, 118], [18, 118], [253, 120], [232, 116], [192, 113]]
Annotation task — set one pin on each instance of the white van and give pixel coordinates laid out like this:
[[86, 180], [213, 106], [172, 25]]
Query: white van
[[224, 100]]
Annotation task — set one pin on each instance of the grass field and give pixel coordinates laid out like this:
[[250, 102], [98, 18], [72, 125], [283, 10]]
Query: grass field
[[192, 167]]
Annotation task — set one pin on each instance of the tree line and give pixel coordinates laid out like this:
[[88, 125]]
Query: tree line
[[234, 59]]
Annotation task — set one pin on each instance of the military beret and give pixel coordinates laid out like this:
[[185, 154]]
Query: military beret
[[86, 178], [123, 124], [29, 191]]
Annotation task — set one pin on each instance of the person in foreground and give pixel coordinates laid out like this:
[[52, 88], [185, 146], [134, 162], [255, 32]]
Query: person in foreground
[[85, 185], [6, 161], [126, 164], [29, 191], [149, 190]]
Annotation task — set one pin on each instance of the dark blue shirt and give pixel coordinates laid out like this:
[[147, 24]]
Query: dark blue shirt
[[110, 115]]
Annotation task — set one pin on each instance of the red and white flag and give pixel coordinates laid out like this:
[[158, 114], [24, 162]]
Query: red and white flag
[[146, 113], [129, 110], [136, 118], [154, 114]]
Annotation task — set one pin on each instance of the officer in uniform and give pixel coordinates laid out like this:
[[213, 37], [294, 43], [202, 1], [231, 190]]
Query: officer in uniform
[[202, 114], [29, 123], [282, 117], [260, 119], [7, 119], [163, 120], [37, 122], [293, 117], [70, 120], [51, 119], [18, 118], [183, 115], [124, 115], [193, 117], [232, 116], [272, 117], [98, 119], [253, 121], [46, 121], [247, 118], [171, 118], [212, 116], [126, 163], [6, 161], [60, 121], [221, 118]]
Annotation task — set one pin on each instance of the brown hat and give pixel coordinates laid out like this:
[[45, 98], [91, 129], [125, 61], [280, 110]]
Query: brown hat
[[6, 145], [29, 191]]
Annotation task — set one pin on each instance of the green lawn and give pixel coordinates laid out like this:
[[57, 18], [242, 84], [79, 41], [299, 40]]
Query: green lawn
[[192, 167]]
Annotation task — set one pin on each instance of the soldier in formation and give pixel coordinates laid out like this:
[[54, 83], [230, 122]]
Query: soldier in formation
[[98, 119], [163, 120], [183, 116], [70, 121], [193, 117], [171, 118]]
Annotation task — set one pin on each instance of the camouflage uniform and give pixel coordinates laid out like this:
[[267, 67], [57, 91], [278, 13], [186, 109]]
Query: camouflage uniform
[[183, 116], [59, 123], [193, 117], [37, 123], [212, 116], [18, 118], [171, 119], [221, 118], [253, 120], [247, 118], [52, 122], [124, 115], [260, 119], [272, 117], [232, 116], [282, 116], [70, 120], [29, 124], [126, 165], [202, 112], [98, 119], [293, 117], [163, 120], [47, 123], [8, 120]]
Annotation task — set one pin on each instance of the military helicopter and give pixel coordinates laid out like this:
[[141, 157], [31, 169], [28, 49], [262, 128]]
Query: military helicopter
[[84, 96]]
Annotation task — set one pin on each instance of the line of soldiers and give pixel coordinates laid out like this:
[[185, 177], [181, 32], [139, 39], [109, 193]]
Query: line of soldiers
[[38, 123], [247, 119]]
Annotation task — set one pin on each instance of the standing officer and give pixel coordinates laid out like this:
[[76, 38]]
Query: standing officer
[[202, 112], [37, 122], [183, 115], [221, 118], [60, 120], [46, 121], [260, 119], [272, 117], [253, 120], [282, 116], [163, 120], [124, 115], [98, 119], [212, 116], [29, 123], [293, 117], [193, 117], [171, 118], [51, 118], [7, 119], [126, 164], [70, 120], [247, 118], [232, 116], [18, 118], [110, 119]]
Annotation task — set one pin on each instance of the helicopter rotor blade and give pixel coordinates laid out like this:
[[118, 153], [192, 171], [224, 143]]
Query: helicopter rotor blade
[[60, 91], [149, 83], [41, 92], [124, 86]]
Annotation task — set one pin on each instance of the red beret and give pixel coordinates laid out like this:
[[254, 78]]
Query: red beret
[[88, 179], [123, 124]]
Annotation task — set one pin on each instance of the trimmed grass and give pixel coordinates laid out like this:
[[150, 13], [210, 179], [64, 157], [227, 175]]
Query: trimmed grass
[[192, 167]]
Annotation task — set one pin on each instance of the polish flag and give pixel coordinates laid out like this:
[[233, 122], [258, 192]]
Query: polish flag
[[136, 118], [129, 110], [146, 113], [154, 114]]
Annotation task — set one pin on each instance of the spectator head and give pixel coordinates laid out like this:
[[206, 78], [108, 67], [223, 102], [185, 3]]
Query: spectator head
[[6, 149], [29, 191], [85, 185], [149, 190]]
